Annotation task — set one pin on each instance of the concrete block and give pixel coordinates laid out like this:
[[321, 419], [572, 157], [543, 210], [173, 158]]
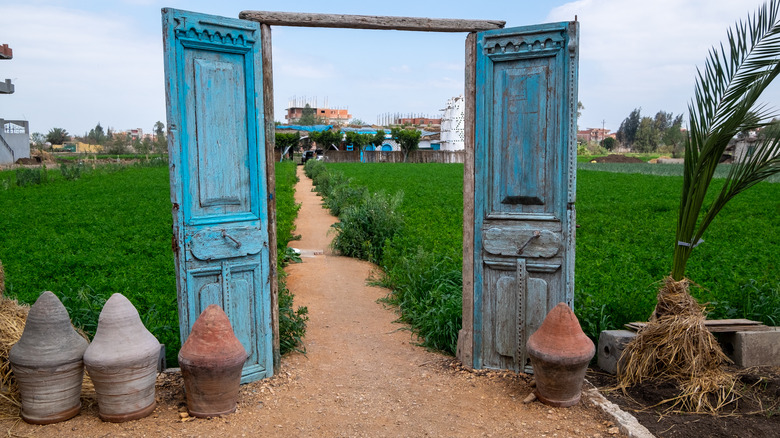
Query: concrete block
[[752, 348], [611, 346]]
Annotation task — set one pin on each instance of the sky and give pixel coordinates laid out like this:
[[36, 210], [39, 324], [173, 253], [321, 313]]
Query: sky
[[80, 63]]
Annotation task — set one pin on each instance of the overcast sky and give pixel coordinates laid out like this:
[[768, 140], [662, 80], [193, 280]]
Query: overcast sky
[[79, 63]]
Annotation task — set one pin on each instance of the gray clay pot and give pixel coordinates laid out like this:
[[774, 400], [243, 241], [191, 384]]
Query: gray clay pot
[[47, 363], [122, 362]]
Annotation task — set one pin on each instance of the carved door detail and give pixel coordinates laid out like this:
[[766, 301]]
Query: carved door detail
[[219, 190], [524, 167]]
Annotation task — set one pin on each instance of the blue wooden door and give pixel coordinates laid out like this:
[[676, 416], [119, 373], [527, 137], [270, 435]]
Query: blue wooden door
[[524, 186], [219, 188]]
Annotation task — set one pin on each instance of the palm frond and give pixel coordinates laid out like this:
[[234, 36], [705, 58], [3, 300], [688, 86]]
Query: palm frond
[[724, 104]]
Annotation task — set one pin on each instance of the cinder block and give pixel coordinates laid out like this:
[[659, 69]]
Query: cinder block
[[752, 348], [611, 346]]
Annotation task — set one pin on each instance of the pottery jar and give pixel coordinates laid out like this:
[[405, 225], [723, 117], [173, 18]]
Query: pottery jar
[[560, 352], [122, 362], [211, 361], [47, 363]]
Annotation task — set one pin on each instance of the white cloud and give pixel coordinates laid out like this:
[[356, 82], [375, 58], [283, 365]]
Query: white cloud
[[644, 54]]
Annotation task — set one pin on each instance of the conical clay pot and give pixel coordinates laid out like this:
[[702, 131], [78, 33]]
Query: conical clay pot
[[47, 363], [122, 362], [211, 361], [560, 352]]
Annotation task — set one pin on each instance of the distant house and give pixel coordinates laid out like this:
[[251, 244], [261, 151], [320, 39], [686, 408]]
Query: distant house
[[452, 125], [593, 135], [14, 140]]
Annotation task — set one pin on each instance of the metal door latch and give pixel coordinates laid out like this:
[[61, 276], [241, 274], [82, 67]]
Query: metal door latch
[[229, 237], [536, 235]]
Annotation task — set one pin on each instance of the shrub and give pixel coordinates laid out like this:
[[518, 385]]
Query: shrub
[[292, 323], [28, 177], [71, 172], [364, 228]]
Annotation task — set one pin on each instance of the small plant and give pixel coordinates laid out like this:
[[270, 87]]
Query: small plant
[[71, 172], [364, 228], [29, 177], [292, 323]]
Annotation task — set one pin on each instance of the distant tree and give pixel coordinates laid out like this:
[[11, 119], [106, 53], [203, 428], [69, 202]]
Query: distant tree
[[309, 116], [580, 107], [609, 143], [57, 136], [378, 138], [145, 146], [646, 138], [407, 139], [674, 136], [120, 144], [357, 140], [627, 131], [159, 129], [37, 140], [284, 140], [96, 135], [358, 122], [325, 139]]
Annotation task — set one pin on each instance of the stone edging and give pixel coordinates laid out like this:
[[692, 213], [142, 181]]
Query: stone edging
[[626, 422]]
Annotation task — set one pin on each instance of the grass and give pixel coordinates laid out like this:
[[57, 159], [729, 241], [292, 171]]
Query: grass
[[107, 231], [627, 224]]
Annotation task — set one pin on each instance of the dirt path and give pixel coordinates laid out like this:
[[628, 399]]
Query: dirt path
[[362, 374]]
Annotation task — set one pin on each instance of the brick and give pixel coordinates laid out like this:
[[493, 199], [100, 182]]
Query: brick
[[752, 348], [611, 346]]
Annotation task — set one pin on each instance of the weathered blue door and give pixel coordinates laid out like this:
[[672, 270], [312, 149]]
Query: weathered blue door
[[219, 187], [519, 244]]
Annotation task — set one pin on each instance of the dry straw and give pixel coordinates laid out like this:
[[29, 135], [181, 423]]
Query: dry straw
[[676, 346]]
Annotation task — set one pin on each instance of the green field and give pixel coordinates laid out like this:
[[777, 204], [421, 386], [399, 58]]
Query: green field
[[108, 231], [624, 242]]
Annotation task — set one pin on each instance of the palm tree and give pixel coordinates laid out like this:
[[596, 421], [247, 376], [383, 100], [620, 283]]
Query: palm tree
[[675, 344]]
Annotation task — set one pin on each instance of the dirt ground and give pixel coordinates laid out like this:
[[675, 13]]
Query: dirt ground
[[362, 375], [755, 415], [617, 158]]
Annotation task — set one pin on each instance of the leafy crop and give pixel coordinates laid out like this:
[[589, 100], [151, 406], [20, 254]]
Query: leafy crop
[[109, 231]]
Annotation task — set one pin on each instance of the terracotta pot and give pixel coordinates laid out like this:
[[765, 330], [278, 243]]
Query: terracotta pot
[[560, 352], [211, 361], [47, 363], [122, 362]]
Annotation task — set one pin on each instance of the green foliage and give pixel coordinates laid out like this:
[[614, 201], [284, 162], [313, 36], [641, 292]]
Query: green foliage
[[109, 231], [726, 104], [628, 127], [378, 138], [284, 140], [359, 141], [31, 176], [96, 135], [609, 143], [407, 139], [292, 323], [309, 116], [71, 172], [364, 228], [57, 136], [326, 139]]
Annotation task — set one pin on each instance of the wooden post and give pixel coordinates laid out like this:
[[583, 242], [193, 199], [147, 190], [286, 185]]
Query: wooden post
[[465, 336], [270, 134]]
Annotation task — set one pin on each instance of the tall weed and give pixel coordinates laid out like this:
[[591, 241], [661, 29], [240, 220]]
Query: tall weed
[[364, 228]]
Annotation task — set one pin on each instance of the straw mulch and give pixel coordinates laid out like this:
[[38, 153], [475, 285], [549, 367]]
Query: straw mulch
[[676, 346], [12, 319]]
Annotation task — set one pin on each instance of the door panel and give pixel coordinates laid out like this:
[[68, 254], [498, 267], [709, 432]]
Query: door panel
[[524, 169], [219, 189]]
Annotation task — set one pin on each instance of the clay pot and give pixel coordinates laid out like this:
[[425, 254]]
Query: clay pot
[[122, 362], [47, 363], [560, 352], [211, 361]]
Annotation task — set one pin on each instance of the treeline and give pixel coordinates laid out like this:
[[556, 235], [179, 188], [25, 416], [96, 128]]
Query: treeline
[[649, 134]]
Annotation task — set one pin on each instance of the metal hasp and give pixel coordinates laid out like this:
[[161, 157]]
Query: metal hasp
[[519, 188], [223, 221]]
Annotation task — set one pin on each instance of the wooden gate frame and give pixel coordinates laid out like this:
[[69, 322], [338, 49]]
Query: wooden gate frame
[[266, 19]]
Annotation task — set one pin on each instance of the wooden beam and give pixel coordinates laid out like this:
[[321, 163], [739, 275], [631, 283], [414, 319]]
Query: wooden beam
[[299, 19]]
